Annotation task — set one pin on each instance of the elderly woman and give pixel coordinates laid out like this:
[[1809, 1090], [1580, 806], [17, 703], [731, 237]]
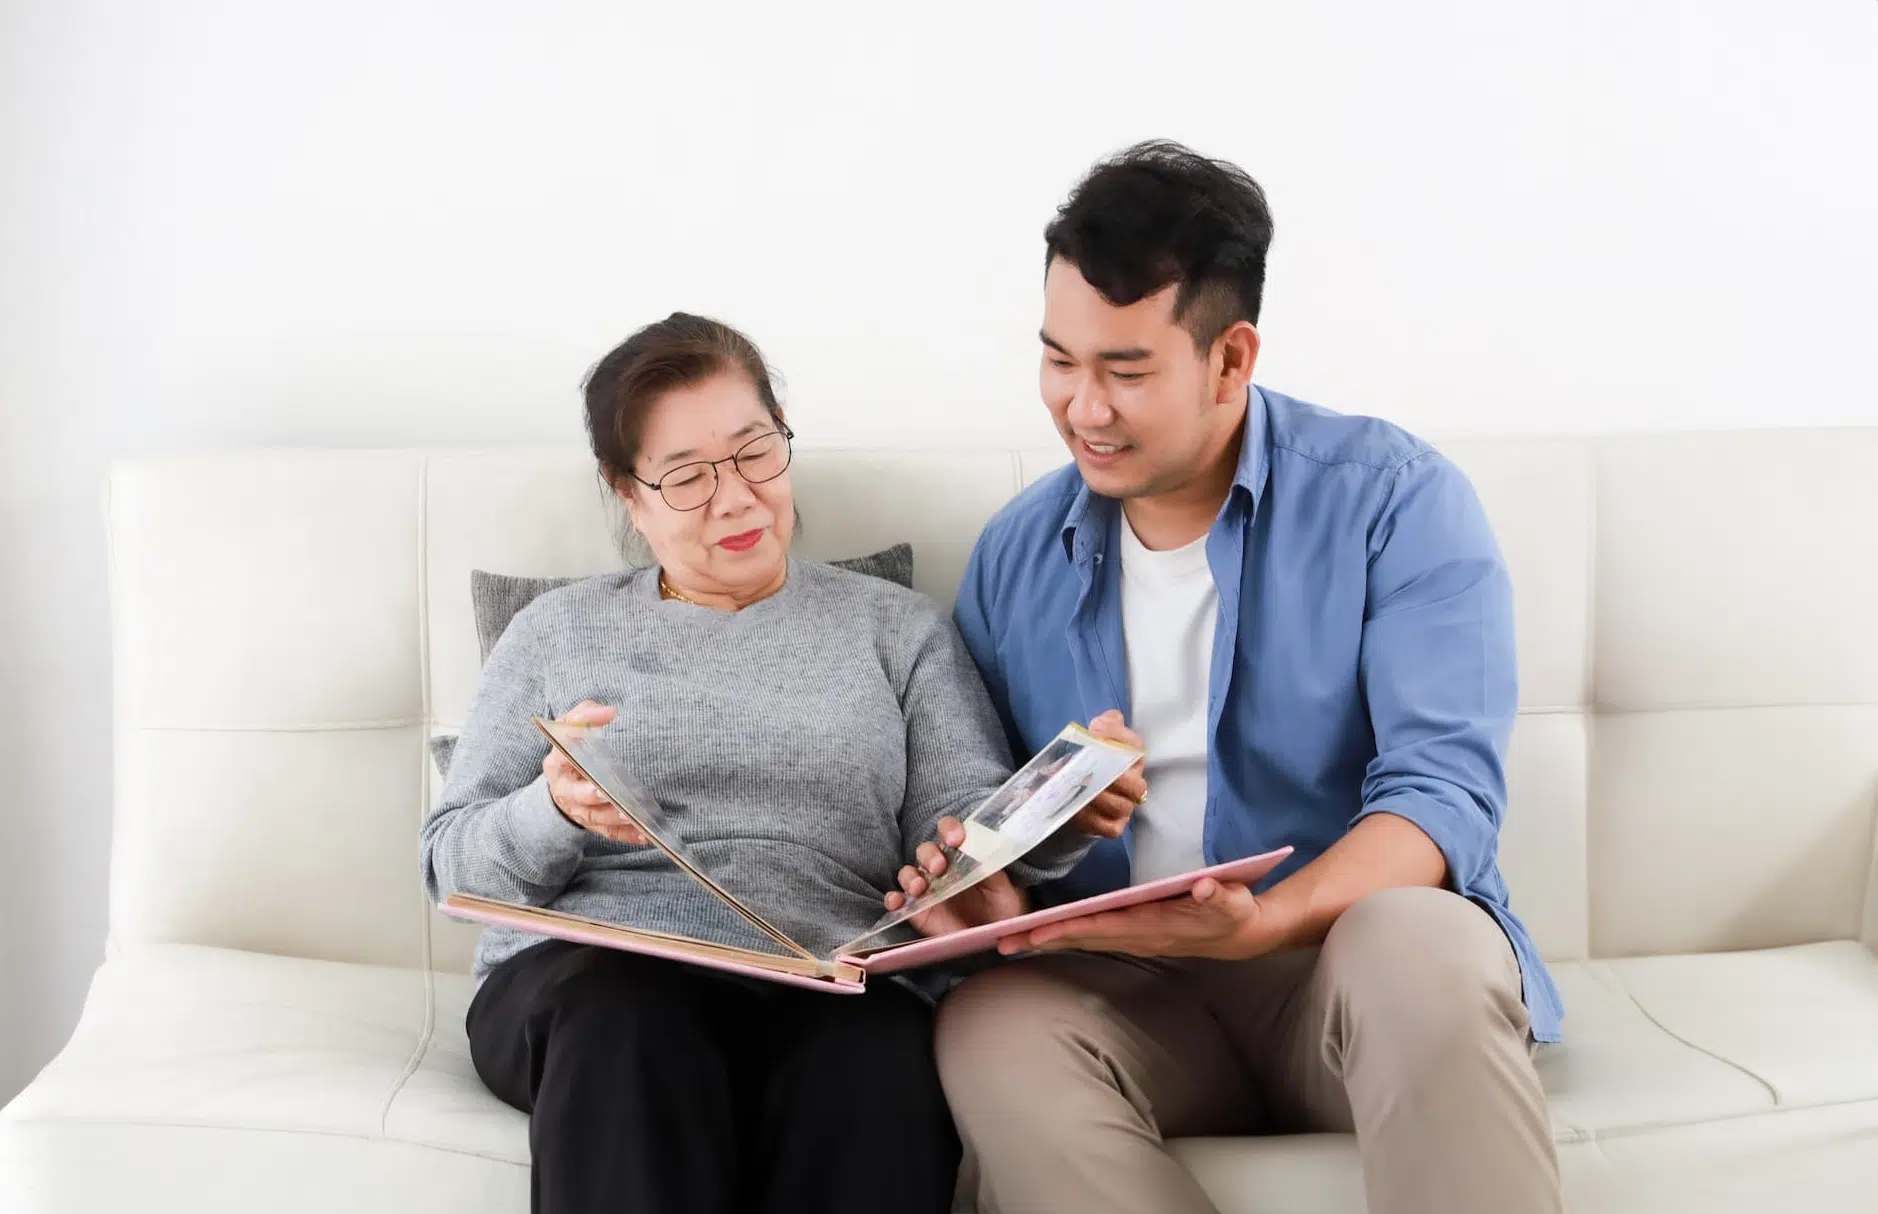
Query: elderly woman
[[806, 728]]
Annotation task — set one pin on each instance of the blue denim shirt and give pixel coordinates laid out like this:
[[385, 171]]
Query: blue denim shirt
[[1363, 660]]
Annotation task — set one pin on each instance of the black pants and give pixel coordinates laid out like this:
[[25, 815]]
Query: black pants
[[656, 1087]]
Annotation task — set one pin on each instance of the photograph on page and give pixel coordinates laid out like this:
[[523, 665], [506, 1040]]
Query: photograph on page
[[1028, 808]]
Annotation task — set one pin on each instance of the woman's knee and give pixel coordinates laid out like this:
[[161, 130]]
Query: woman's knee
[[620, 997], [882, 1037]]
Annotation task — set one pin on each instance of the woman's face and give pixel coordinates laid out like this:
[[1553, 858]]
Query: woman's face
[[737, 543]]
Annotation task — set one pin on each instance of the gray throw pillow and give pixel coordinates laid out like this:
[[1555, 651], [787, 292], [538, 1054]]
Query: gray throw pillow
[[496, 597], [442, 748]]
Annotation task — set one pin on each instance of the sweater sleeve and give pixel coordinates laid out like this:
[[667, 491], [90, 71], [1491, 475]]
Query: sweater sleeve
[[495, 832]]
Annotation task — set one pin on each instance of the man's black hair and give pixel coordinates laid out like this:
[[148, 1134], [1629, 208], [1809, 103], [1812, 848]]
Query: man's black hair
[[1158, 214]]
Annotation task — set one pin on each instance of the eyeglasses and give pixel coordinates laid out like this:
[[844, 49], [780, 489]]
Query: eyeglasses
[[692, 486]]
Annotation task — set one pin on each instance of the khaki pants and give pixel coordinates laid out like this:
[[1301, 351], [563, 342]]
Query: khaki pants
[[1066, 1072]]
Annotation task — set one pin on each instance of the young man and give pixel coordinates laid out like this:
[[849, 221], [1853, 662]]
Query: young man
[[1307, 619]]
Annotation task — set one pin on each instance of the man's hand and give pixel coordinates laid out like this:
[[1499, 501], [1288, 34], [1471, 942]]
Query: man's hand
[[992, 899], [1221, 920], [1228, 922], [1107, 815]]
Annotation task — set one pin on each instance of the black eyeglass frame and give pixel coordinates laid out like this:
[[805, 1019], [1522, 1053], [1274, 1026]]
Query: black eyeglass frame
[[717, 478]]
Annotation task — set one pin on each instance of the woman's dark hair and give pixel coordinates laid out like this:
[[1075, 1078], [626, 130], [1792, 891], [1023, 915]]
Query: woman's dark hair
[[676, 352], [1159, 213]]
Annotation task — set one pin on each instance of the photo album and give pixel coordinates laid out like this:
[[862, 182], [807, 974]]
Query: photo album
[[1039, 799]]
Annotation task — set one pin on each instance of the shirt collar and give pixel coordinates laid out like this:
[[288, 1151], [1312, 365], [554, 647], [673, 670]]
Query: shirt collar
[[1248, 483]]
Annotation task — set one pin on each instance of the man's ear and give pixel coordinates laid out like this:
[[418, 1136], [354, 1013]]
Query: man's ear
[[1238, 353]]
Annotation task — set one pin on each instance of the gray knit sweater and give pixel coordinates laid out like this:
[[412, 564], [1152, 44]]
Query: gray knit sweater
[[803, 746]]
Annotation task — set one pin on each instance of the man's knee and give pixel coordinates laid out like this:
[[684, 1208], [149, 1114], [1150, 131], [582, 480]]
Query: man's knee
[[1423, 927], [994, 1017], [1423, 964], [1007, 1040]]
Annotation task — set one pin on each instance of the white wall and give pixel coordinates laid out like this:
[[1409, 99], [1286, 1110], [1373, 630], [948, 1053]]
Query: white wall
[[378, 222]]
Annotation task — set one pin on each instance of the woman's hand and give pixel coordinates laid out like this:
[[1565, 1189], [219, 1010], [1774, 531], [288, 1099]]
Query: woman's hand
[[990, 900], [1107, 816], [578, 798]]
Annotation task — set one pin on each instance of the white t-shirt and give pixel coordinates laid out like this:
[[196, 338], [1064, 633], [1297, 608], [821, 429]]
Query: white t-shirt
[[1169, 605]]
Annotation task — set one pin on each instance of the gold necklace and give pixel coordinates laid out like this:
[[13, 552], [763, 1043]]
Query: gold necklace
[[668, 591]]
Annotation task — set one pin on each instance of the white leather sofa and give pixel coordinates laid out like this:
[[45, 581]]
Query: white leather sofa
[[278, 1024]]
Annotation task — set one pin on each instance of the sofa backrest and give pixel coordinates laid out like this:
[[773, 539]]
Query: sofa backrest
[[1695, 766]]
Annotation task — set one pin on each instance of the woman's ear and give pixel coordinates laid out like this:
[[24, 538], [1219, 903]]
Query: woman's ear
[[622, 489]]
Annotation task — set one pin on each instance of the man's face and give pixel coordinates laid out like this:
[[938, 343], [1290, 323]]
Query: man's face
[[1130, 394]]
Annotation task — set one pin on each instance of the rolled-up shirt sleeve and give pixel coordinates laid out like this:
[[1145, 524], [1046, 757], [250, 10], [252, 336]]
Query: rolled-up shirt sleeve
[[1438, 667]]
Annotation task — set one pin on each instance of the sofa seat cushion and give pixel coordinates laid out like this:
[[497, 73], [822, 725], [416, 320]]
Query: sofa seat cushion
[[1802, 1021], [193, 1068], [1617, 1069], [96, 1167], [351, 1079]]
